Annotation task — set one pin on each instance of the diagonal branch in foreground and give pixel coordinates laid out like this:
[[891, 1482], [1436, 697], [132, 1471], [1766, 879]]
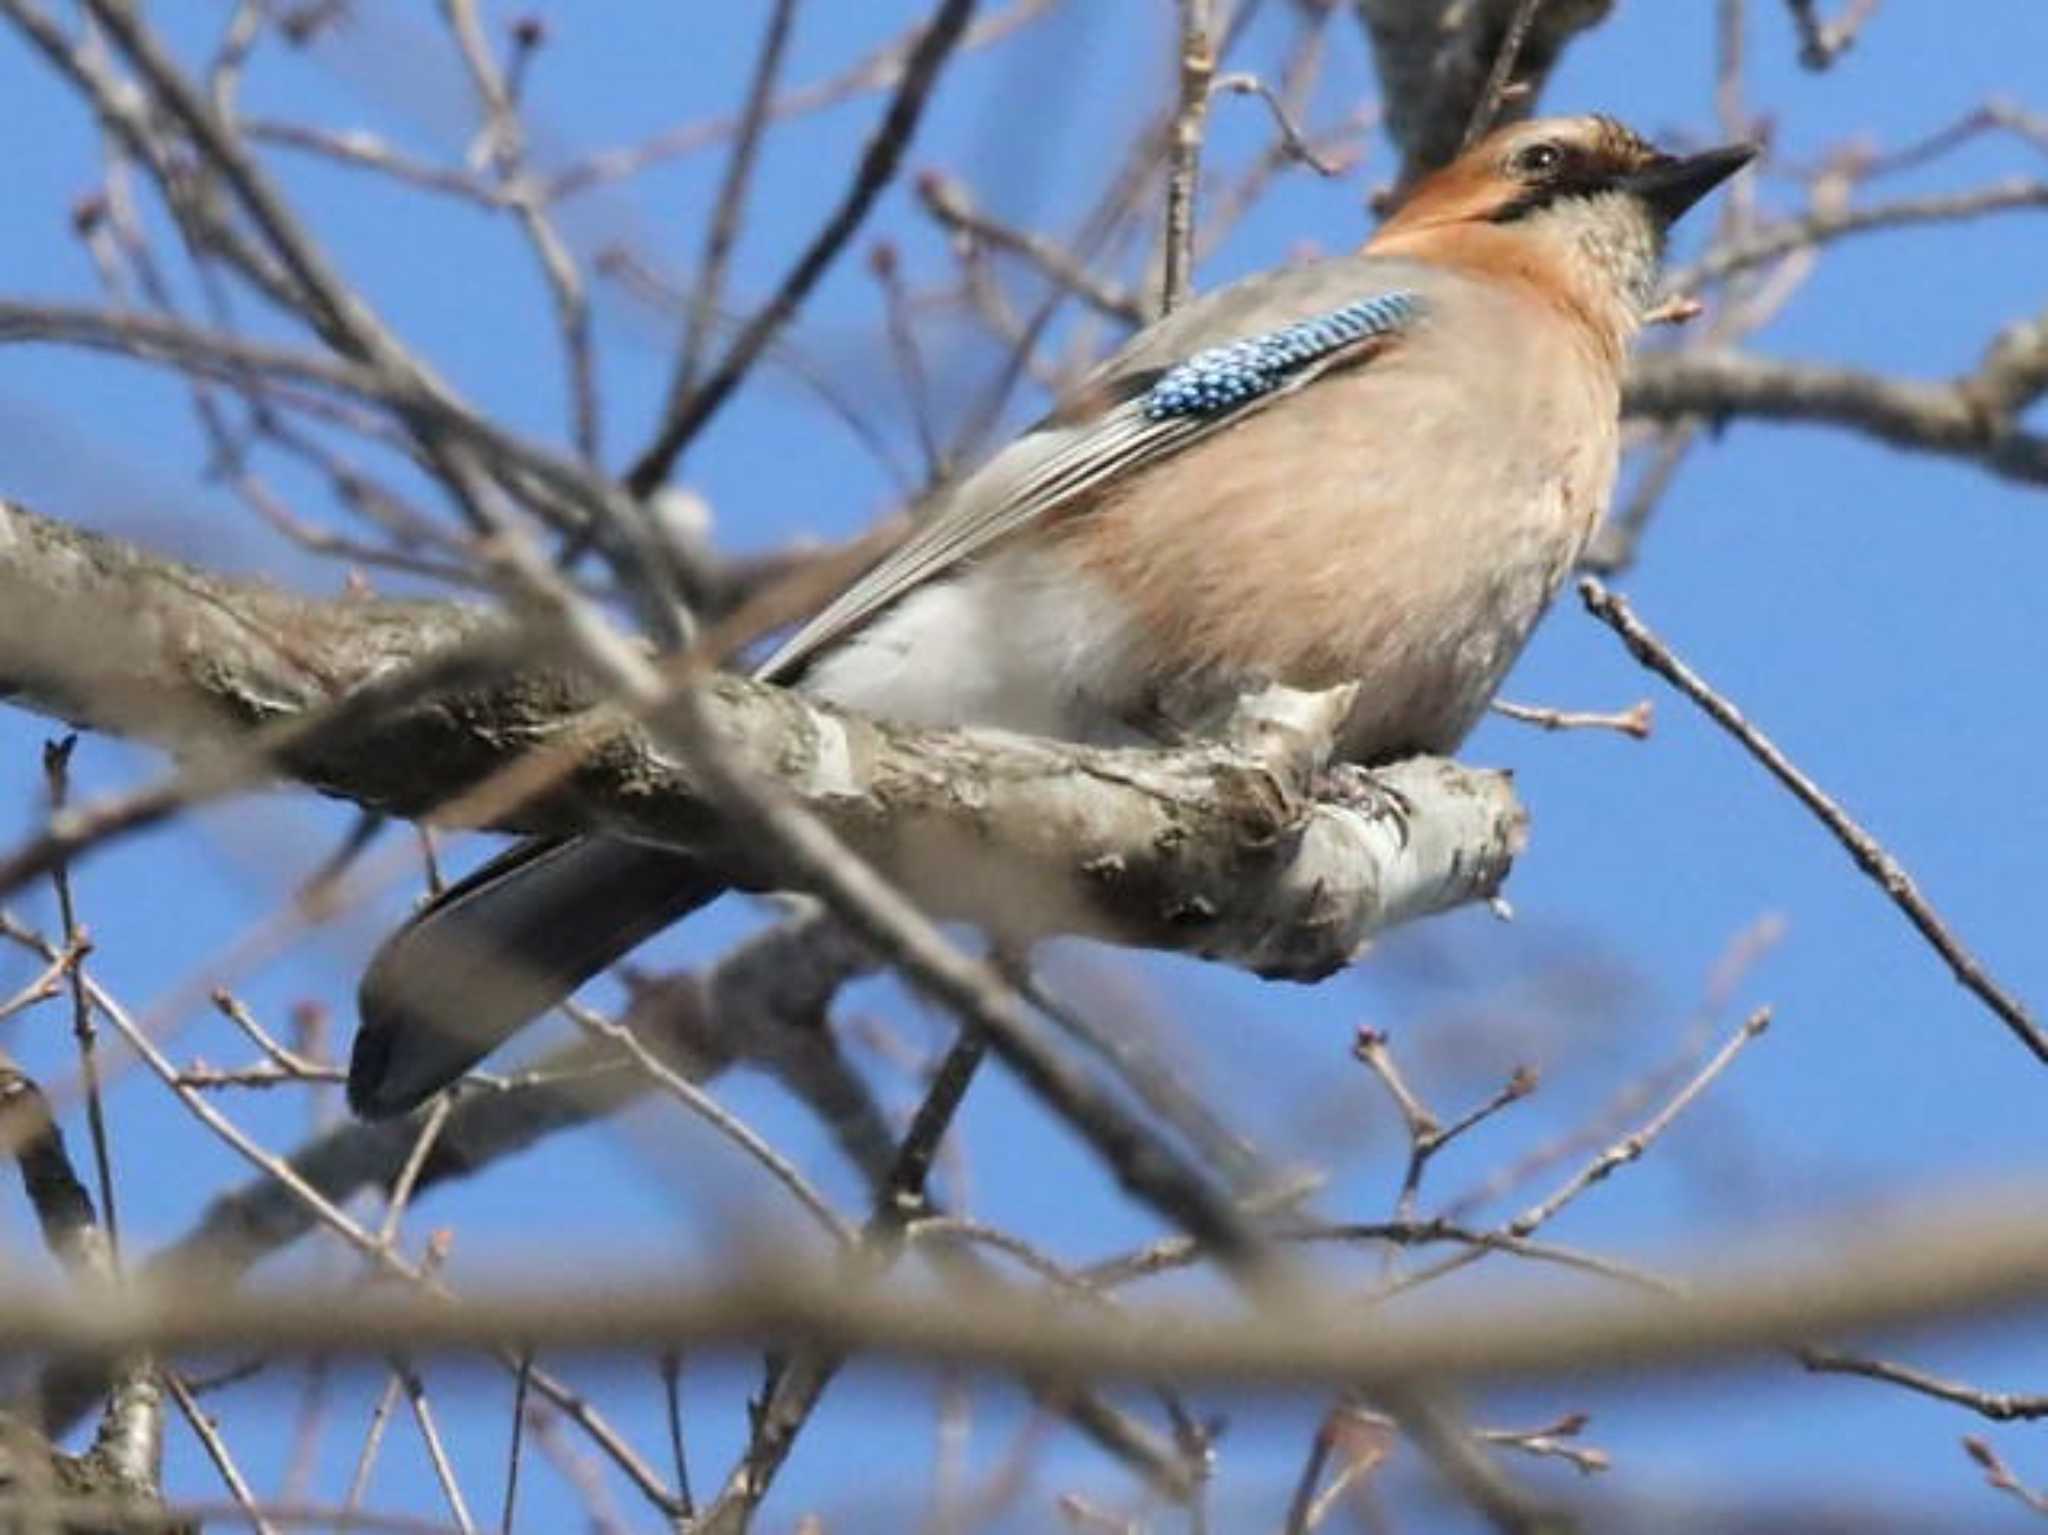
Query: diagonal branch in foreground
[[1870, 855]]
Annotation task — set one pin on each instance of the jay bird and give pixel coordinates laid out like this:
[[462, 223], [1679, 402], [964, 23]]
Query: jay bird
[[1375, 469]]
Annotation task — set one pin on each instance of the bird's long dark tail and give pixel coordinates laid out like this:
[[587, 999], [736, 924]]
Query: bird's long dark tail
[[489, 955]]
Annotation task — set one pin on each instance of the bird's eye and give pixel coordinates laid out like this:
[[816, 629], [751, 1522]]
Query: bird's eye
[[1538, 159]]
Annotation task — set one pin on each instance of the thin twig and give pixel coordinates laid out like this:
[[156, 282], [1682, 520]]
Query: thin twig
[[1998, 1406], [289, 1064], [208, 1434], [57, 772], [672, 1401], [506, 143], [1767, 242], [520, 1384], [363, 150], [948, 200], [1294, 145], [1456, 1452], [1554, 1440], [431, 1126], [886, 267], [437, 1453], [1634, 722], [244, 30], [728, 1124], [1184, 151], [883, 69], [878, 164], [1500, 74], [2001, 1476], [373, 1442], [708, 290], [797, 1382], [1629, 1148], [1427, 1135], [1870, 855], [1995, 115], [1738, 208]]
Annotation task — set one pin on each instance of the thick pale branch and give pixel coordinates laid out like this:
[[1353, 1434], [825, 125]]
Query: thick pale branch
[[108, 636], [1205, 851]]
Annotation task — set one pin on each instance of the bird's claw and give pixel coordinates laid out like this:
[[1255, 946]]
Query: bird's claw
[[1357, 788]]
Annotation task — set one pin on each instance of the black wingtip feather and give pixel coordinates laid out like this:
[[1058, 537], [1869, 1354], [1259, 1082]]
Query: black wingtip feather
[[491, 954]]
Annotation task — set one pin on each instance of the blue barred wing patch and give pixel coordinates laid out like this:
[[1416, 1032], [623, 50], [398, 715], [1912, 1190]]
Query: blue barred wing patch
[[1219, 378]]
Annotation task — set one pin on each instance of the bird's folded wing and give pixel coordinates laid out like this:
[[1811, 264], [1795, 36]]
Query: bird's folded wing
[[1136, 412]]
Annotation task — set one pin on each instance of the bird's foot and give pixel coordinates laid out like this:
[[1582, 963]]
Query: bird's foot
[[1358, 788]]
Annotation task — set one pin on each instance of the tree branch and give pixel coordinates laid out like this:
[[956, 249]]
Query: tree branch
[[1938, 1260], [1434, 62], [1205, 851], [1930, 417]]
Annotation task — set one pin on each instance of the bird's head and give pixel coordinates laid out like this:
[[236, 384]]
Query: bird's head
[[1581, 205]]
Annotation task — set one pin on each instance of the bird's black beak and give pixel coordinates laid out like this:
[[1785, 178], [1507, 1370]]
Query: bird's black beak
[[1670, 185]]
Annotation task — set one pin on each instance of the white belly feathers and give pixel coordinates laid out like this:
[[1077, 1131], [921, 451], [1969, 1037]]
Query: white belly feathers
[[1016, 642]]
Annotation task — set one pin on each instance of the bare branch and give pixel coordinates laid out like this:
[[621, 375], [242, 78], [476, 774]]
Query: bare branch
[[878, 164], [1197, 60], [2001, 1476], [1822, 226], [1500, 72], [882, 70], [1200, 850], [1870, 855], [1433, 66], [1293, 143], [1933, 418], [949, 201], [506, 142], [1635, 722], [1918, 1265], [371, 152], [1998, 1406], [708, 290]]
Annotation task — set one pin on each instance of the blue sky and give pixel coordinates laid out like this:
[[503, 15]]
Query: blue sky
[[1876, 612]]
